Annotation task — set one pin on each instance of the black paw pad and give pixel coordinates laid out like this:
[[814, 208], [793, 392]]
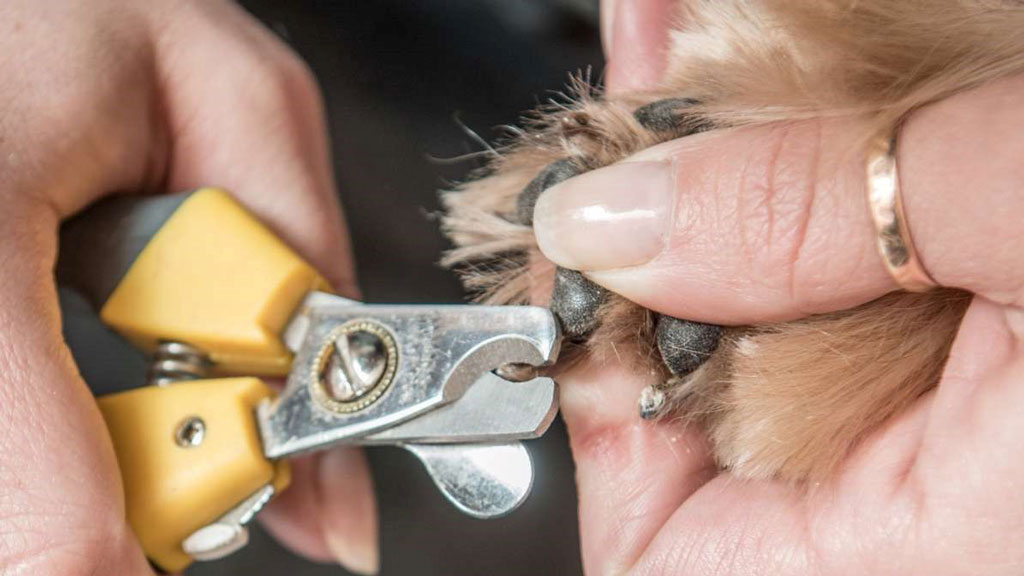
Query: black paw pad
[[669, 115], [685, 345], [575, 301], [557, 171]]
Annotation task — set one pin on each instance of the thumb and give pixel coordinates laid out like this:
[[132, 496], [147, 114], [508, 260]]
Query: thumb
[[771, 222]]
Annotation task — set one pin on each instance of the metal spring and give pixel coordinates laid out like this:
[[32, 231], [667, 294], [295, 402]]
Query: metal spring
[[176, 361]]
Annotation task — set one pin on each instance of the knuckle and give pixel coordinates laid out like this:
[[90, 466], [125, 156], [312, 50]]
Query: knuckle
[[296, 74], [284, 82]]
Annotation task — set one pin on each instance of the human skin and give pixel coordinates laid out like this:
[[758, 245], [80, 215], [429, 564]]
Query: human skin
[[102, 96], [935, 491], [105, 96]]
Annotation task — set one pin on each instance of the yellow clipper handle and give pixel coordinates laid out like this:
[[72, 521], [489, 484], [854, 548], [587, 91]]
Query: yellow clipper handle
[[188, 453], [194, 268]]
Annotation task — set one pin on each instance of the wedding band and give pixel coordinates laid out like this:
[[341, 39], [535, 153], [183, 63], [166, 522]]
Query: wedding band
[[894, 242]]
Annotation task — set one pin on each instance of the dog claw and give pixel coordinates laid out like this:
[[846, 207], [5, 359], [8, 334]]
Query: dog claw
[[651, 403]]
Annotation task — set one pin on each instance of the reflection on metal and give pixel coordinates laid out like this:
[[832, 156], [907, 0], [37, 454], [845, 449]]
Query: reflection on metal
[[483, 481], [492, 410], [227, 533], [295, 332]]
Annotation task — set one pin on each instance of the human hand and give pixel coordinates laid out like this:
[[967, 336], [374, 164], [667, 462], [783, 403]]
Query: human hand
[[770, 223], [102, 96]]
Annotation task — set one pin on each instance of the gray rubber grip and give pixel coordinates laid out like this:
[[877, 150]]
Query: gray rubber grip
[[98, 246]]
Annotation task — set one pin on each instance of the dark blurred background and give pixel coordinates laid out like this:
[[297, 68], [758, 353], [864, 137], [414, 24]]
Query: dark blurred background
[[403, 80]]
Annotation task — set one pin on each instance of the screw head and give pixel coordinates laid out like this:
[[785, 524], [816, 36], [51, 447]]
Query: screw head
[[190, 432], [355, 367]]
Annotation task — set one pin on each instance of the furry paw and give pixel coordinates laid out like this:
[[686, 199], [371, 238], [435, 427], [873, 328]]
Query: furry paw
[[787, 400]]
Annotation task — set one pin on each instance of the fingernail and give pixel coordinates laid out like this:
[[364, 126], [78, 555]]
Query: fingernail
[[614, 217], [355, 558], [352, 538]]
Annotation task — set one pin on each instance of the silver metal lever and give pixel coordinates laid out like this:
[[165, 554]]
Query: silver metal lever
[[228, 533], [425, 378], [492, 410], [435, 355], [481, 480]]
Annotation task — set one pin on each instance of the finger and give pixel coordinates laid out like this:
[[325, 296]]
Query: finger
[[964, 468], [631, 475], [771, 223], [314, 521], [288, 516], [979, 408], [80, 117], [733, 527], [62, 510], [635, 37], [858, 524], [251, 121]]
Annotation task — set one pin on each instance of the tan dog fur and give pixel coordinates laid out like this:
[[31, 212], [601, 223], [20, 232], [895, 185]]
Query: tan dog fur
[[787, 400]]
